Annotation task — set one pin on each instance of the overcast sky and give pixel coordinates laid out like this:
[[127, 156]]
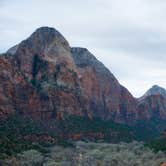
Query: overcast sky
[[128, 36]]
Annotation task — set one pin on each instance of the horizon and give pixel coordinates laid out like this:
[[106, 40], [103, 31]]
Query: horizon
[[119, 41]]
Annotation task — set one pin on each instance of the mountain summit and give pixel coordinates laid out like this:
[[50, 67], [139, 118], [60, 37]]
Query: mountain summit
[[48, 46], [44, 39], [41, 40], [155, 90]]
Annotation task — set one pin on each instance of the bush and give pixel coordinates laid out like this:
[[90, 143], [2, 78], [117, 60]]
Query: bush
[[30, 157], [19, 134], [157, 145], [97, 154], [127, 154]]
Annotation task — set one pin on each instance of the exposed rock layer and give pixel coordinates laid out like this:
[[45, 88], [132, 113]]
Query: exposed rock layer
[[44, 78]]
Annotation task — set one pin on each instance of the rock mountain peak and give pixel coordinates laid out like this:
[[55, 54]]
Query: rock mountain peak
[[46, 33], [49, 79], [155, 90], [45, 38], [42, 39]]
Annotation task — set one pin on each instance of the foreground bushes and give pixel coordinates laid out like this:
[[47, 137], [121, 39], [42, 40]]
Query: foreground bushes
[[91, 154], [19, 134], [123, 154], [25, 142], [157, 145]]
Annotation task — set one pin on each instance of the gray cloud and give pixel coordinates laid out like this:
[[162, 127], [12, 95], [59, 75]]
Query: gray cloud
[[128, 36]]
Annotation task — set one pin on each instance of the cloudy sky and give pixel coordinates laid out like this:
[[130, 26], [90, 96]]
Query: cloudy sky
[[128, 36]]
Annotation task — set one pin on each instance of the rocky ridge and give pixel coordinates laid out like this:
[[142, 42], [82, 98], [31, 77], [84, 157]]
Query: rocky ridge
[[154, 90], [44, 78]]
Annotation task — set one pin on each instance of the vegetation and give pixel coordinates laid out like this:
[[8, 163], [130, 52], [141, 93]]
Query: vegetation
[[157, 145], [88, 154], [112, 131], [149, 130], [19, 134], [36, 66], [24, 141]]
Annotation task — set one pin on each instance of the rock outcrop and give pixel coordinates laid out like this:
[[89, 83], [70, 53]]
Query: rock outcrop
[[154, 90], [43, 77], [152, 104], [106, 97]]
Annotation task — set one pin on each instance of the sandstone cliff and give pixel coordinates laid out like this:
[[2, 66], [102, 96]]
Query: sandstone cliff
[[153, 104], [44, 78]]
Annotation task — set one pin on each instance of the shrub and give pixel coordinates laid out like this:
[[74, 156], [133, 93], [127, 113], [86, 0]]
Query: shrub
[[97, 154], [30, 157]]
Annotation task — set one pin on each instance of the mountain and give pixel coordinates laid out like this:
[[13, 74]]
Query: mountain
[[106, 97], [152, 105], [45, 79], [155, 90]]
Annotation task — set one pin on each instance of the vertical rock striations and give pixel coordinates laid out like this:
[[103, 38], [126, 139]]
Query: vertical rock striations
[[43, 77]]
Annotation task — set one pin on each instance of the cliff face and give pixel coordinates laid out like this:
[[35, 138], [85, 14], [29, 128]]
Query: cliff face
[[45, 62], [16, 93], [44, 78], [106, 97], [154, 90], [153, 104]]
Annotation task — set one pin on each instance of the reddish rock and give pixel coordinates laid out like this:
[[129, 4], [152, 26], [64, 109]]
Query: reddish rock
[[163, 164], [45, 138], [107, 99], [153, 106], [44, 78]]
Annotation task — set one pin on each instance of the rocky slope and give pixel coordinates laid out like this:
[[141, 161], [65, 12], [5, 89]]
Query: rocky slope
[[154, 90], [106, 97], [153, 104], [44, 78]]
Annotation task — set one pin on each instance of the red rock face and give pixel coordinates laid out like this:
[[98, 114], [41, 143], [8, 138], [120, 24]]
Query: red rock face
[[44, 78], [153, 106], [107, 99], [16, 94], [7, 86], [163, 164]]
